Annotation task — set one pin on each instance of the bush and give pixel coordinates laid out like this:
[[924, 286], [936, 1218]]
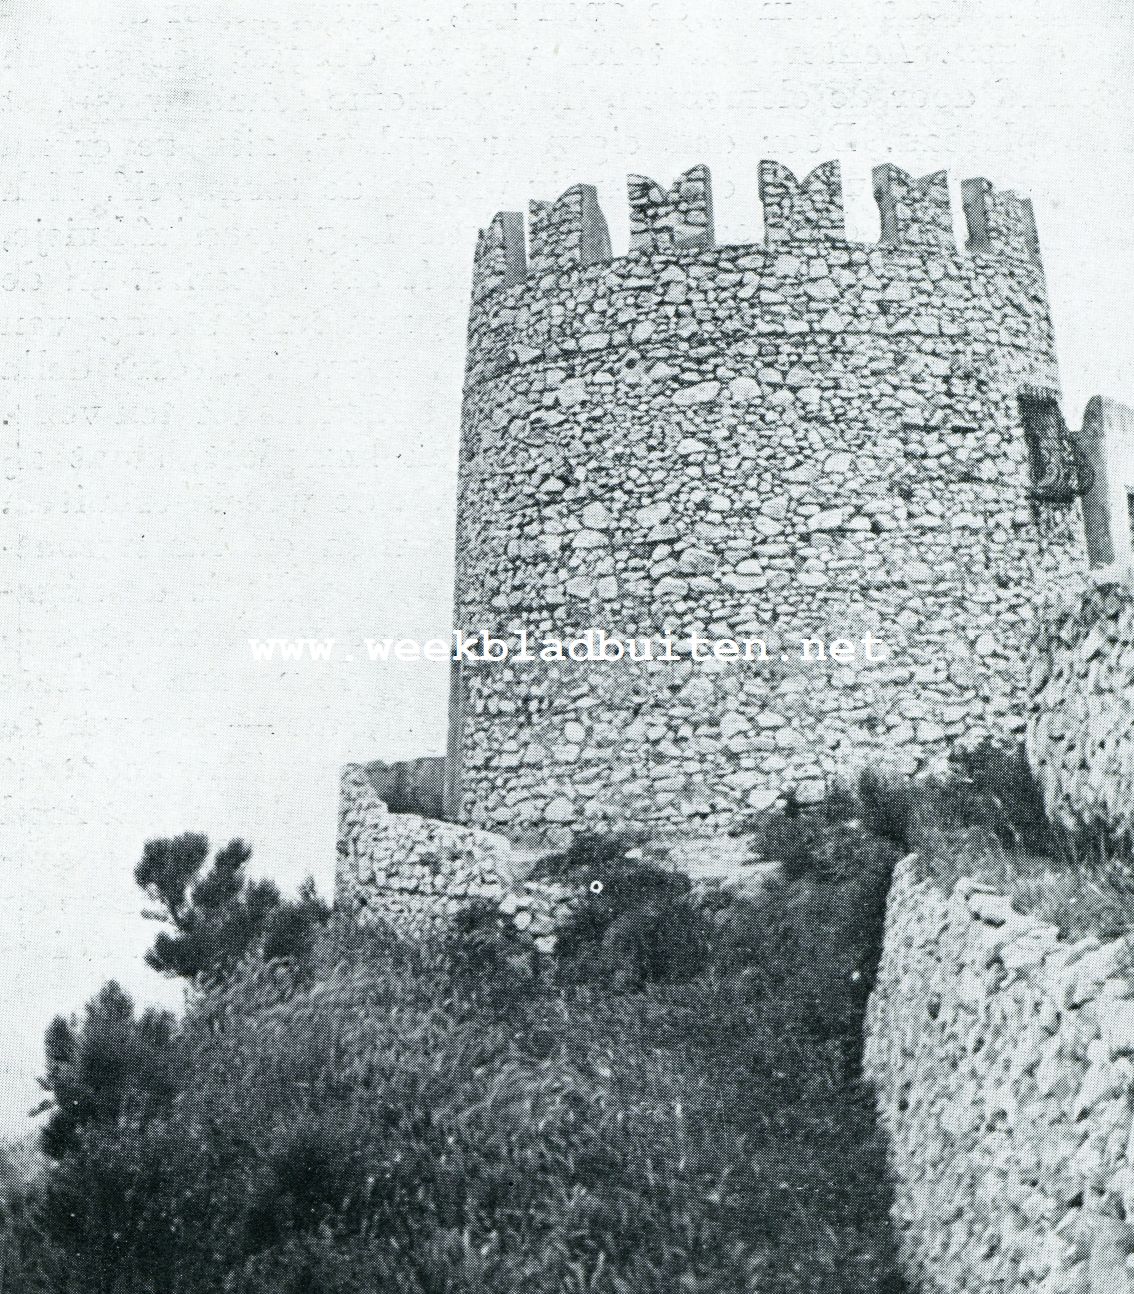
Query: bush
[[809, 946], [22, 1247], [109, 1063], [987, 820], [368, 1118], [888, 808], [1009, 797], [489, 957], [634, 924], [587, 857], [670, 1101], [990, 790], [795, 835], [215, 913]]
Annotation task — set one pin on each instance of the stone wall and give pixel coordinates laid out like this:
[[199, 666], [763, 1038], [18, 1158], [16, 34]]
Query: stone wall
[[1080, 734], [805, 438], [410, 785], [417, 873], [1001, 1059], [1107, 437]]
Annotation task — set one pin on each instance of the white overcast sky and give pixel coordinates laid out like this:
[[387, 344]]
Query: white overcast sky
[[235, 247]]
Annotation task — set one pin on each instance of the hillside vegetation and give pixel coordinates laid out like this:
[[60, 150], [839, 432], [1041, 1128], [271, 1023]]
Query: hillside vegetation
[[671, 1102]]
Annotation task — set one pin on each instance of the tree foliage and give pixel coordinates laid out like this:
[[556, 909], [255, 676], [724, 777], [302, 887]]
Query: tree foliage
[[97, 1068], [113, 1064], [216, 914], [667, 1100]]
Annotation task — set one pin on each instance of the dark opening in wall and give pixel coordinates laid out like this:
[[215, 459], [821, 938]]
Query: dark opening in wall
[[411, 785], [1059, 468]]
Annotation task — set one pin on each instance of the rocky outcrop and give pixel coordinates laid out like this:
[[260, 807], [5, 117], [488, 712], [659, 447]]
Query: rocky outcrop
[[1080, 736], [1002, 1059]]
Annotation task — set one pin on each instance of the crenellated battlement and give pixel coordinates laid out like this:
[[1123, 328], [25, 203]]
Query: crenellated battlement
[[678, 218], [568, 233], [1000, 222], [571, 232], [801, 210], [501, 260], [915, 213], [807, 438]]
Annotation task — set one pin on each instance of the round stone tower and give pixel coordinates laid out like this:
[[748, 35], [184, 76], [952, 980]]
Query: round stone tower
[[826, 453]]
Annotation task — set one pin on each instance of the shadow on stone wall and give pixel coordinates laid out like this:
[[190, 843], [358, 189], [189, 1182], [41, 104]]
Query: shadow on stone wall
[[410, 785]]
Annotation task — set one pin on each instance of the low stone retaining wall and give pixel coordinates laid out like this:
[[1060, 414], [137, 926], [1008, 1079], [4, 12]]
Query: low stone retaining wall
[[1001, 1059], [416, 873], [1080, 735]]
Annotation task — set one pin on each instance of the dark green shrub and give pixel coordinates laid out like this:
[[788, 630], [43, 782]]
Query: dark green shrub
[[987, 820], [990, 790], [108, 1063], [842, 853], [808, 947], [487, 953], [888, 807], [1006, 797], [787, 838], [588, 855], [292, 928], [23, 1249], [793, 835], [634, 924], [214, 913]]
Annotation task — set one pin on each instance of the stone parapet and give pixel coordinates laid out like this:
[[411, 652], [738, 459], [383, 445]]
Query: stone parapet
[[417, 873]]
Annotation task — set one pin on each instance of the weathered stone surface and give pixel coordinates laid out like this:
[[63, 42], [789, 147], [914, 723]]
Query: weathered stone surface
[[1080, 731], [1008, 1110], [415, 873], [411, 785], [822, 429]]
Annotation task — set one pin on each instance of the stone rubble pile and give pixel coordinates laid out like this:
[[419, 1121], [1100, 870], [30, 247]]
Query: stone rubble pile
[[417, 873], [1080, 735], [1002, 1060]]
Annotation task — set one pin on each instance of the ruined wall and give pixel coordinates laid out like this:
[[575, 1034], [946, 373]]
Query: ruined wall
[[809, 437], [1001, 1062], [417, 873], [1108, 440], [1080, 734], [410, 785]]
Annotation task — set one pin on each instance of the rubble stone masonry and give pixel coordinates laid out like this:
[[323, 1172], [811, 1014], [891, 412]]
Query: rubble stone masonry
[[1002, 1060], [808, 437], [1080, 735], [416, 873]]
